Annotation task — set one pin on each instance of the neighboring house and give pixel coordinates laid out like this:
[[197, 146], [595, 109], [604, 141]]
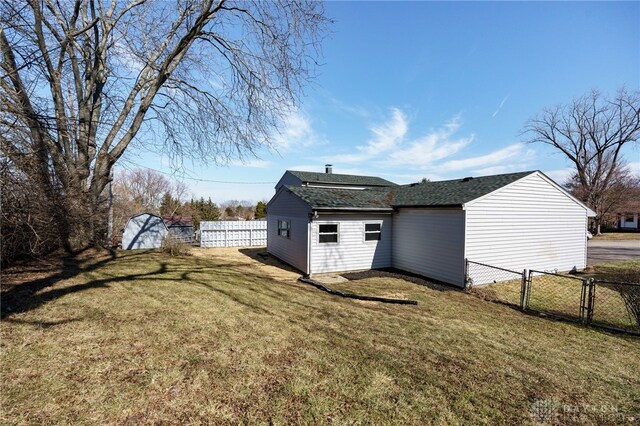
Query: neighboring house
[[628, 221], [514, 221], [180, 226], [144, 231]]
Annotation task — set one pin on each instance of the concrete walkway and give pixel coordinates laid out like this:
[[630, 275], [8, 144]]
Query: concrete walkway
[[600, 251]]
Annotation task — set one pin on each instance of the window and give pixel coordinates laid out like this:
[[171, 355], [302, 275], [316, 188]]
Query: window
[[328, 233], [372, 231], [284, 227], [628, 218]]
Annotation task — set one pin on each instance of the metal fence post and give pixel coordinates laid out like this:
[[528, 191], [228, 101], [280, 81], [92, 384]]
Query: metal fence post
[[584, 300], [467, 282], [592, 300], [529, 288], [523, 291]]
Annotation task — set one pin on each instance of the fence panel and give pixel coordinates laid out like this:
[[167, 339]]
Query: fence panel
[[559, 295], [616, 305], [494, 283], [233, 233]]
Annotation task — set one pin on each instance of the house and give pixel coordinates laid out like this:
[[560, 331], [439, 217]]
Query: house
[[180, 227], [144, 231], [628, 221], [344, 223]]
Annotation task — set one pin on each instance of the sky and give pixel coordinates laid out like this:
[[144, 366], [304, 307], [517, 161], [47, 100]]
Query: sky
[[440, 90]]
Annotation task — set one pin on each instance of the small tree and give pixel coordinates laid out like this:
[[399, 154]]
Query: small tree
[[261, 210], [591, 132]]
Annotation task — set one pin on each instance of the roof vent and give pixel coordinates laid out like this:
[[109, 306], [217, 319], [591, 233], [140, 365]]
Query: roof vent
[[467, 179], [328, 168]]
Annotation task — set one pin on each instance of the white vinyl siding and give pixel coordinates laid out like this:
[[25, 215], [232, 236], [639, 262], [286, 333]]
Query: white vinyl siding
[[430, 242], [529, 224], [293, 250], [352, 252]]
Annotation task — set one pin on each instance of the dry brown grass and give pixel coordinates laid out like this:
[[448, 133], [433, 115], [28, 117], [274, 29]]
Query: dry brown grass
[[618, 236], [225, 337]]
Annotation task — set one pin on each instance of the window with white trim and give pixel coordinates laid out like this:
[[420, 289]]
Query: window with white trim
[[284, 228], [372, 231], [328, 233], [629, 218]]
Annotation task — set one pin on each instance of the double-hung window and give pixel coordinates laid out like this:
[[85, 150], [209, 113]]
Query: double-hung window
[[328, 233], [284, 228], [372, 231]]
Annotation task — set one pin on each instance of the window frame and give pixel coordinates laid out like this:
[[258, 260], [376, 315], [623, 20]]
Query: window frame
[[287, 228], [365, 232], [629, 218], [337, 233]]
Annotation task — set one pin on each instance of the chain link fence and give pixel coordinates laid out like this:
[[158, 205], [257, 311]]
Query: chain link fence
[[607, 304], [555, 294], [508, 288], [616, 305]]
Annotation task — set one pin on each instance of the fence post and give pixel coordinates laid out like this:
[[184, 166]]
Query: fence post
[[523, 291], [467, 282], [529, 287], [584, 300], [592, 300]]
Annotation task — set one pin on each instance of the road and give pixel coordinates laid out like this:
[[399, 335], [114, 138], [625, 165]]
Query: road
[[611, 250]]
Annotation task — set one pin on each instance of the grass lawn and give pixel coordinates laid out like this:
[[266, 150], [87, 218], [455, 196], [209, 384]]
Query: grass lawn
[[222, 337], [618, 236]]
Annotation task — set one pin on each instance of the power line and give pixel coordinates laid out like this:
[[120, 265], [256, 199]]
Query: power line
[[203, 180]]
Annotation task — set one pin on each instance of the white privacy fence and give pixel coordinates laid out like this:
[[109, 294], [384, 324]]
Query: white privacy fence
[[233, 233]]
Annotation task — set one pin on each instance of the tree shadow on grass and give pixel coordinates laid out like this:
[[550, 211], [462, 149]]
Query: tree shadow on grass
[[259, 254], [29, 295]]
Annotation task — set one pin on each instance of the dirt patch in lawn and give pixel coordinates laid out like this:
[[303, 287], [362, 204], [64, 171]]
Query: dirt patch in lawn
[[397, 274]]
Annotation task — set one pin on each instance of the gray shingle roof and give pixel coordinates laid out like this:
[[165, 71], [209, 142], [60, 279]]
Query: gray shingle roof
[[430, 194], [336, 198], [452, 192], [339, 179]]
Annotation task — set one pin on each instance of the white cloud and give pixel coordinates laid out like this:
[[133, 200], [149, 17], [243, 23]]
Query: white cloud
[[493, 159], [389, 139], [634, 167], [296, 132], [432, 147], [386, 137]]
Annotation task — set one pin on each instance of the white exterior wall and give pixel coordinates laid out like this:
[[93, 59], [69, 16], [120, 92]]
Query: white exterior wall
[[352, 252], [430, 242], [144, 231], [293, 250], [529, 224]]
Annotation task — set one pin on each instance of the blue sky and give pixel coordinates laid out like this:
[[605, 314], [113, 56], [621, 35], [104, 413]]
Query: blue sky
[[439, 90]]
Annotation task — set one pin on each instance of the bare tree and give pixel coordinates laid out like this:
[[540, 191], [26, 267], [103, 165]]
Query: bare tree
[[591, 132], [83, 80]]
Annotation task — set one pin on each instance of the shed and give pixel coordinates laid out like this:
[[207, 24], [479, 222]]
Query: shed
[[180, 227], [144, 231], [515, 221]]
